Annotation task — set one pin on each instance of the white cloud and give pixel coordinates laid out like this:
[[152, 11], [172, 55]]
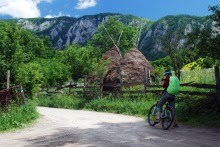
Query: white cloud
[[21, 8], [77, 16], [84, 4], [59, 15]]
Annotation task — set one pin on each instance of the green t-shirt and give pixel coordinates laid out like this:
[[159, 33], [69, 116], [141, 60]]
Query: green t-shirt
[[174, 85]]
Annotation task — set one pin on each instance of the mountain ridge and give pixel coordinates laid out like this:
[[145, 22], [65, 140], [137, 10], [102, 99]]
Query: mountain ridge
[[64, 31]]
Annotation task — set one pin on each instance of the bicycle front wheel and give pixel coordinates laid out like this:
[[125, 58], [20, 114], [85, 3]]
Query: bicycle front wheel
[[167, 121], [152, 116]]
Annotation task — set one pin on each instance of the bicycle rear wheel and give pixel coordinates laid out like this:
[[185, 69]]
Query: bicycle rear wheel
[[167, 121], [152, 116]]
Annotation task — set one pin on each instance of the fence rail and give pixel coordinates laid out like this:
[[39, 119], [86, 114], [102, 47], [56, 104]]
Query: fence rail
[[98, 89]]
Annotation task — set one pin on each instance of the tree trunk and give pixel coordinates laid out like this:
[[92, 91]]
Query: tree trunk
[[217, 78]]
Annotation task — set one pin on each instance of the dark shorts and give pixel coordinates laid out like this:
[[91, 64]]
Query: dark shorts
[[166, 97]]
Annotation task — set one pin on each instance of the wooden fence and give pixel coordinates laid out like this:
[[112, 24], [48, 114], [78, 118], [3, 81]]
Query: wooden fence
[[120, 88], [14, 94]]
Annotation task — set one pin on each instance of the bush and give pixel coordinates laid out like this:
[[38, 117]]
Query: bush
[[61, 101], [197, 110], [17, 117], [31, 77], [139, 106], [131, 106]]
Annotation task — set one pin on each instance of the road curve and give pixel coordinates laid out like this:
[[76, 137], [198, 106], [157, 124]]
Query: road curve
[[72, 128]]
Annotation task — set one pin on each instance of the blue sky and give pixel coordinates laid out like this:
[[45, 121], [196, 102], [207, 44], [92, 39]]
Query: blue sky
[[151, 9]]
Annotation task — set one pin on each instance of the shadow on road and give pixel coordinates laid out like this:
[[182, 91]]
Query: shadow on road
[[127, 134]]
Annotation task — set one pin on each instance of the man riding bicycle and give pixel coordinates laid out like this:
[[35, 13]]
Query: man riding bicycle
[[171, 87]]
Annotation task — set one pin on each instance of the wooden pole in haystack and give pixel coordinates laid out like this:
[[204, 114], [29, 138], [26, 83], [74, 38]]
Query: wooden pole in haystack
[[113, 40], [138, 37]]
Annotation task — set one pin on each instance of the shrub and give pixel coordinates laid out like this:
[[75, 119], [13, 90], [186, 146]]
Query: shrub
[[31, 77], [61, 101], [17, 117], [139, 106]]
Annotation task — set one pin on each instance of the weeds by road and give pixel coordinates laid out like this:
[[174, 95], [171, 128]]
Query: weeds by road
[[18, 116]]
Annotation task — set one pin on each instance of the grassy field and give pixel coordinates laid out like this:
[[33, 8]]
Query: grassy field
[[126, 105], [18, 117], [201, 76], [138, 106]]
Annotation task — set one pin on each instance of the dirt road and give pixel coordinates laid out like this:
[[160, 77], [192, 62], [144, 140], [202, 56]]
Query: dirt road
[[60, 127]]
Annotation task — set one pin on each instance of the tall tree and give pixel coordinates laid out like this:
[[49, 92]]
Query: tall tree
[[18, 48], [83, 61]]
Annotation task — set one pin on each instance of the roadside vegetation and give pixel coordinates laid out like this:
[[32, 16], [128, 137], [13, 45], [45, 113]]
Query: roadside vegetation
[[193, 110], [18, 116]]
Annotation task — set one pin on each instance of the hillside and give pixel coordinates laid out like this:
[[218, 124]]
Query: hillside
[[177, 26], [64, 31]]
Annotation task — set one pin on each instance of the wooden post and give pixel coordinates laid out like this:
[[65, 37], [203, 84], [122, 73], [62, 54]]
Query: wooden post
[[8, 79], [47, 89], [70, 86], [84, 87], [145, 81], [101, 87], [22, 95], [8, 86], [149, 75], [121, 84], [217, 78]]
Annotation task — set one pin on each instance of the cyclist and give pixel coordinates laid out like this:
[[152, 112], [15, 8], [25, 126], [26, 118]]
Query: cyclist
[[170, 89]]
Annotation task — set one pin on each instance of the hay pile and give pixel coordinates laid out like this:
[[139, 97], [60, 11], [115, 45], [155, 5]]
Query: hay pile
[[129, 68]]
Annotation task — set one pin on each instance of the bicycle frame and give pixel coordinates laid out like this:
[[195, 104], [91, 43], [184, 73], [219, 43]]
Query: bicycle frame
[[164, 113]]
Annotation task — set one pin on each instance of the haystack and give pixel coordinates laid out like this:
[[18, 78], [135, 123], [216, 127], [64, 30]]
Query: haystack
[[130, 68]]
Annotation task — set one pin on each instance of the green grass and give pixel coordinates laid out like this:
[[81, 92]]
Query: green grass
[[194, 110], [18, 116], [194, 89], [202, 76], [208, 120], [198, 111], [61, 101], [139, 106]]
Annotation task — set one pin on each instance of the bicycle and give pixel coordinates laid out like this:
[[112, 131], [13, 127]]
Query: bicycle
[[166, 117]]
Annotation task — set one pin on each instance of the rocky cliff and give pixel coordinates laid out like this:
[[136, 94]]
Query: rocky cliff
[[64, 31], [177, 26]]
